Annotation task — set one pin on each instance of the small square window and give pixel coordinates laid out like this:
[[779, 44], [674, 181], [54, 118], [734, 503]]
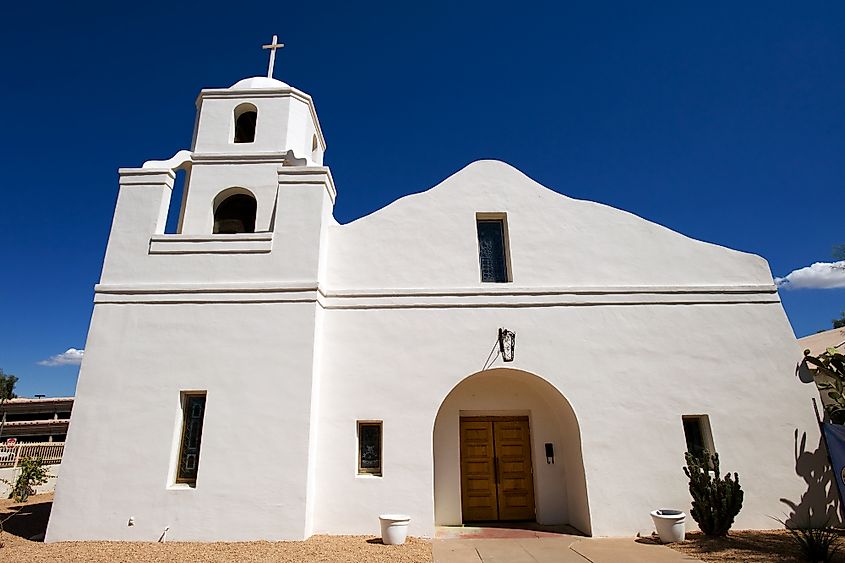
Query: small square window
[[493, 248], [698, 435], [369, 448]]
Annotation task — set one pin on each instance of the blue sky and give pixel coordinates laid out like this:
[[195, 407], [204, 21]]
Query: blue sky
[[722, 120]]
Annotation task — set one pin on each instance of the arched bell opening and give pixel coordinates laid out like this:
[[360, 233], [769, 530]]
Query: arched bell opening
[[234, 212], [507, 447], [246, 120]]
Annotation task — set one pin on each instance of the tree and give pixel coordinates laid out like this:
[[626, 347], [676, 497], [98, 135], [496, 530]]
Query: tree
[[840, 322], [7, 391], [32, 474], [7, 386], [831, 365]]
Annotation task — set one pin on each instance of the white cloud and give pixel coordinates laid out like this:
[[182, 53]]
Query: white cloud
[[70, 357], [821, 275]]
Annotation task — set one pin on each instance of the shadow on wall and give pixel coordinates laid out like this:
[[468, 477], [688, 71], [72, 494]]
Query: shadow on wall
[[820, 504]]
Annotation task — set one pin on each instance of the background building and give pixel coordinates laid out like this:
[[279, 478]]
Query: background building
[[36, 420]]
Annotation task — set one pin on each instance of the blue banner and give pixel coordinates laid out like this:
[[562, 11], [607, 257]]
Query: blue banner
[[834, 435]]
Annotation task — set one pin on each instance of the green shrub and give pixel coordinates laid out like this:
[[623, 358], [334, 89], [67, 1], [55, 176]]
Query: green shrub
[[817, 544], [715, 500], [831, 365], [32, 474]]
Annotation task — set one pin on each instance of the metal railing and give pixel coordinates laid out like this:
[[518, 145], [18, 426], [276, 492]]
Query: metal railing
[[49, 452]]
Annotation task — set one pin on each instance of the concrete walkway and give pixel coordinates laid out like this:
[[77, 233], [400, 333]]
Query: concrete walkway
[[480, 545]]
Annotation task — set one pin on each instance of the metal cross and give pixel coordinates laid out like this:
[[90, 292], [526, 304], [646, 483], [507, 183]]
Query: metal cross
[[272, 46]]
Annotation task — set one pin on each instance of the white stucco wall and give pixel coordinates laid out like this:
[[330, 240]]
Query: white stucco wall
[[428, 240], [628, 379], [297, 334], [120, 452]]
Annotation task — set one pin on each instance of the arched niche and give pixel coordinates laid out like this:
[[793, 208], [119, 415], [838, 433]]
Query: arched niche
[[560, 488], [234, 211], [246, 121]]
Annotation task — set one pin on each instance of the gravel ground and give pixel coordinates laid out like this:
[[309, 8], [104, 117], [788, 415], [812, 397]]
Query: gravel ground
[[31, 519], [745, 546], [341, 549]]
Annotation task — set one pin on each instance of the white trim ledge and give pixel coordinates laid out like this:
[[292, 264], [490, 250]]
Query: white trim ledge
[[309, 291], [511, 289], [241, 243]]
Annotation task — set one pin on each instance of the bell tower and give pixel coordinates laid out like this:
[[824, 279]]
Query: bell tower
[[250, 129], [258, 115], [254, 176], [226, 313]]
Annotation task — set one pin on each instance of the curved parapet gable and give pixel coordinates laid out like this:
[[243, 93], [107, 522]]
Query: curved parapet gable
[[429, 240], [181, 160]]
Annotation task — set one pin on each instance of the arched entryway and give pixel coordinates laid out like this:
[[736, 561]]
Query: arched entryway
[[518, 413]]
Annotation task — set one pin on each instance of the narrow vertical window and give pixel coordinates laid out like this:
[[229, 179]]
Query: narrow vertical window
[[698, 436], [369, 448], [492, 250], [193, 412]]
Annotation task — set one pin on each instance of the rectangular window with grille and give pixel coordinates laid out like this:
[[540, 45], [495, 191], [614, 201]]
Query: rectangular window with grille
[[493, 248], [193, 413], [369, 448]]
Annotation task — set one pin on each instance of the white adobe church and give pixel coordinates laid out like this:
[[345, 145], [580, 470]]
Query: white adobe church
[[268, 373]]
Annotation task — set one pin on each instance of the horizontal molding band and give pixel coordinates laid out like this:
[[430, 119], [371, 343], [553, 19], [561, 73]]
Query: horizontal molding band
[[146, 177], [270, 292], [280, 92], [498, 289], [277, 158], [158, 298], [211, 238], [266, 287], [538, 301], [508, 289]]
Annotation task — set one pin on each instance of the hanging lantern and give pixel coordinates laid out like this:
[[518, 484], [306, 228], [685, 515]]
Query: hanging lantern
[[507, 342]]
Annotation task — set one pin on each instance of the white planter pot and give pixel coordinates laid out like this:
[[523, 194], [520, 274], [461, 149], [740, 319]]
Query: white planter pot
[[394, 528], [670, 524]]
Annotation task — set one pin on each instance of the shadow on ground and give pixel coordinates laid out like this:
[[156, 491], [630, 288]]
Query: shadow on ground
[[504, 530], [531, 526], [756, 543], [28, 521], [746, 546]]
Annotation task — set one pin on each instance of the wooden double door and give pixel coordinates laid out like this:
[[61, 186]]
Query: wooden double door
[[497, 480]]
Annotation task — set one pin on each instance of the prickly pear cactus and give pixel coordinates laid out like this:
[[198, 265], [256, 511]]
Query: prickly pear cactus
[[715, 500]]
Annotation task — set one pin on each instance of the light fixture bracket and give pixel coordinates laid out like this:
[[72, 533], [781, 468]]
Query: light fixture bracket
[[507, 343]]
